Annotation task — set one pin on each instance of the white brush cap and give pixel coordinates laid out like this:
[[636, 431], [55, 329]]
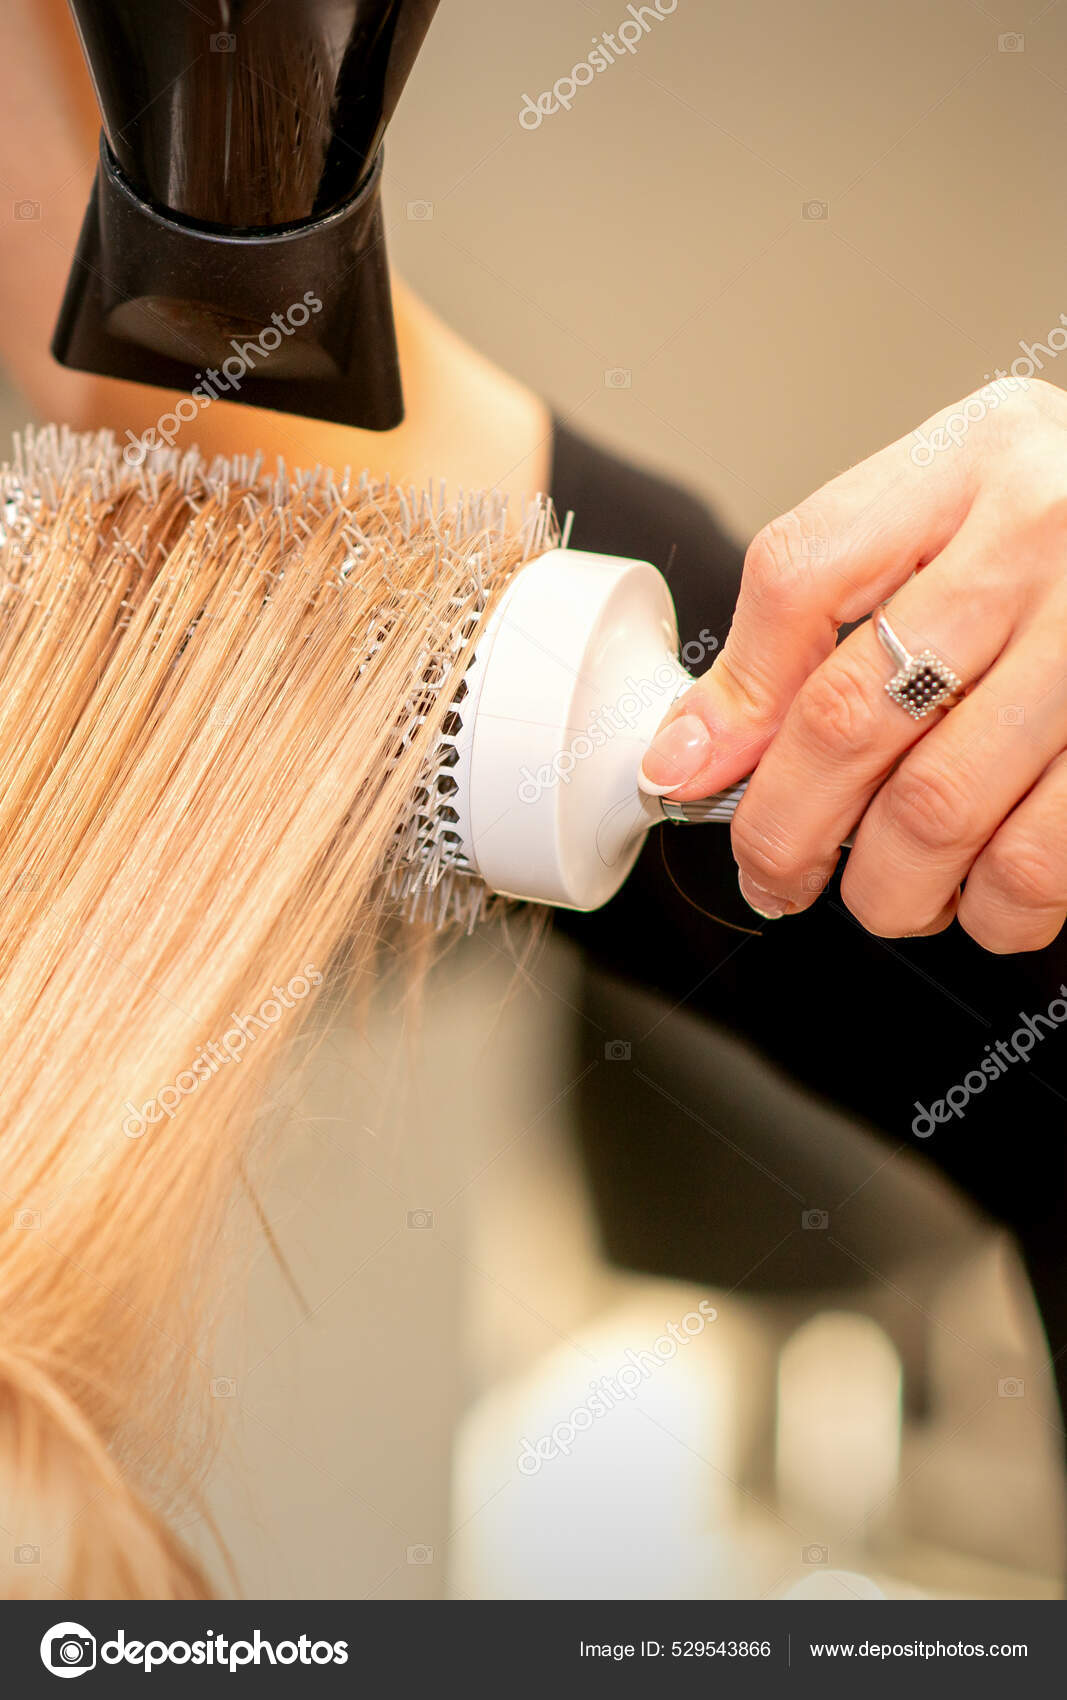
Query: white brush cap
[[577, 668]]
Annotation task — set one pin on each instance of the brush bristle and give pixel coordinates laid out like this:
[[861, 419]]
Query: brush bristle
[[427, 874]]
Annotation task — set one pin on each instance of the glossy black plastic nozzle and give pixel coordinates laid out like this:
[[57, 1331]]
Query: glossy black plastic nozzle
[[235, 226]]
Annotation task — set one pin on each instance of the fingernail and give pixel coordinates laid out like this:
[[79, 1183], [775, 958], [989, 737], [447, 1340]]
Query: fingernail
[[763, 902], [676, 754]]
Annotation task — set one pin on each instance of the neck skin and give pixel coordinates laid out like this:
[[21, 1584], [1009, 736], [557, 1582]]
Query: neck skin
[[467, 421]]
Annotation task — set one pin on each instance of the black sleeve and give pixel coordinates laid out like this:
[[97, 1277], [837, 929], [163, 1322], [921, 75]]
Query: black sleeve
[[883, 1028]]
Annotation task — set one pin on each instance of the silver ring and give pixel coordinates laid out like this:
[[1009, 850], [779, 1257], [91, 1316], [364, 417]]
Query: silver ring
[[922, 682]]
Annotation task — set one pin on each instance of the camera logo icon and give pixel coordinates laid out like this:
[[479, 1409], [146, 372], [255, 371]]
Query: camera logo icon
[[618, 378], [27, 1555], [420, 1555], [1011, 1388], [225, 42], [816, 1554], [1011, 42], [420, 1219], [27, 209], [420, 211], [617, 1050], [815, 1219], [817, 209], [68, 1649], [1011, 714], [27, 1219]]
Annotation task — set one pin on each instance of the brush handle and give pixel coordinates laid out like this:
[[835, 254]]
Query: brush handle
[[717, 810]]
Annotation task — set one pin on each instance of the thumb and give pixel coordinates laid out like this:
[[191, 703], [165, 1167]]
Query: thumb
[[824, 564], [717, 731]]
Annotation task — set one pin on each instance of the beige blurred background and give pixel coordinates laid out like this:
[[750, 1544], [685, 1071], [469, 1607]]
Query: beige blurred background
[[658, 226], [771, 240]]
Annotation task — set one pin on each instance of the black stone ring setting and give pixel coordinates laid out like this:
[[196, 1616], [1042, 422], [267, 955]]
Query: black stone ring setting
[[922, 682]]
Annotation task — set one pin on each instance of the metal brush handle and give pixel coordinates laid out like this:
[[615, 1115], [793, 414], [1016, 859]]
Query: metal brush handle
[[718, 809]]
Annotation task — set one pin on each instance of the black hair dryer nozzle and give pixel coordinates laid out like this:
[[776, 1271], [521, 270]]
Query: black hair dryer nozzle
[[234, 243]]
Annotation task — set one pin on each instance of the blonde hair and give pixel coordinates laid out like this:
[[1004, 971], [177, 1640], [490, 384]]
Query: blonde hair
[[220, 693]]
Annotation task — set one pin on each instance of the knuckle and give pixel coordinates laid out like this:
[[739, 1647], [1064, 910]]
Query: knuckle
[[867, 905], [778, 556], [1023, 873], [998, 936], [890, 914], [1030, 430], [929, 805], [750, 688], [771, 863], [1028, 408], [834, 712], [1044, 398]]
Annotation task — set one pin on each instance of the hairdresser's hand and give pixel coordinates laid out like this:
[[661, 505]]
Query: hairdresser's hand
[[978, 792]]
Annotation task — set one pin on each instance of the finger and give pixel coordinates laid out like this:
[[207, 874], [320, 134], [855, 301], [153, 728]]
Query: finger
[[843, 734], [934, 816], [941, 922], [1016, 896], [827, 563]]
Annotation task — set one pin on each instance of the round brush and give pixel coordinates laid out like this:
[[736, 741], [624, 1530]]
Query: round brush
[[535, 792]]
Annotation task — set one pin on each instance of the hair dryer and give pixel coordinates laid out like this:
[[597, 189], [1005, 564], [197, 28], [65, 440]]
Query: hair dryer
[[236, 213]]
